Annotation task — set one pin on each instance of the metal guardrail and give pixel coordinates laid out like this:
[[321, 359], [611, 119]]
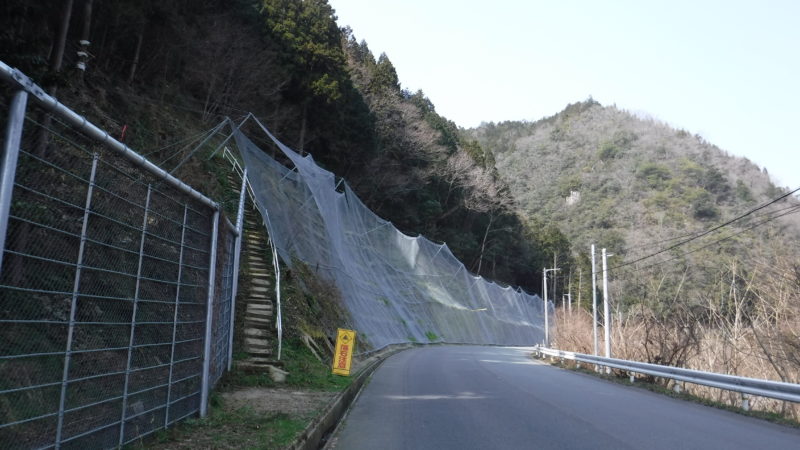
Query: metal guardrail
[[753, 386]]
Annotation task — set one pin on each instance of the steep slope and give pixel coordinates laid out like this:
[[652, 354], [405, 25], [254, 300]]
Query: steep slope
[[607, 177]]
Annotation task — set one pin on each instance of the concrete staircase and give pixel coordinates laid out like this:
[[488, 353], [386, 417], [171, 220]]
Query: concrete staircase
[[255, 297]]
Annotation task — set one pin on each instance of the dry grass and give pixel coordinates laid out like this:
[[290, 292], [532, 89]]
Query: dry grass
[[750, 352]]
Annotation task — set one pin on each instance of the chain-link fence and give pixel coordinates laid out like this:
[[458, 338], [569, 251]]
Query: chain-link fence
[[116, 284]]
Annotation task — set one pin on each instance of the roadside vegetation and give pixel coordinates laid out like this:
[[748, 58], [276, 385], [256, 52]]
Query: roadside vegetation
[[741, 326], [250, 410]]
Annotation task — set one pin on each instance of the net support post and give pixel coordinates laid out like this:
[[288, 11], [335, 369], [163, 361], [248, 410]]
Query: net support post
[[13, 137], [237, 250], [132, 335], [175, 317], [62, 402], [205, 387]]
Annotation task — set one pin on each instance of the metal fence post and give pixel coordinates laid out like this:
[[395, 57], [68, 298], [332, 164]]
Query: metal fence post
[[212, 273], [175, 316], [16, 120], [74, 303], [133, 318], [236, 251]]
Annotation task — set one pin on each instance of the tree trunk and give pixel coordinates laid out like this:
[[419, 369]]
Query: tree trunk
[[56, 59], [83, 57], [136, 54], [483, 244], [61, 40], [303, 128]]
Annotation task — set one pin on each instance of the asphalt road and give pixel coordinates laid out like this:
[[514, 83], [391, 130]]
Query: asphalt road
[[457, 397]]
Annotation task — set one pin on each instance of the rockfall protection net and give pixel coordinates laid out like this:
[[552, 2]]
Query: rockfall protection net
[[397, 288]]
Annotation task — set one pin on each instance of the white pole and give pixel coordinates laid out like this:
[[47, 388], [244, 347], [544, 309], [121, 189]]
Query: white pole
[[555, 280], [606, 314], [594, 302], [546, 324]]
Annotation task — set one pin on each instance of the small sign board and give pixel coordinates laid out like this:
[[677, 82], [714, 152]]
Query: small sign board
[[343, 356]]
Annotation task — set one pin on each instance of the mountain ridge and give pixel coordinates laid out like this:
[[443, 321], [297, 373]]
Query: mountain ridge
[[605, 176]]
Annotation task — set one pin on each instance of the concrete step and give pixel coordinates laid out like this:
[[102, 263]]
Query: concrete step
[[259, 352], [259, 289], [256, 343], [259, 321], [261, 281], [251, 367], [257, 307], [258, 360], [261, 273], [259, 313], [256, 332], [264, 302], [263, 314]]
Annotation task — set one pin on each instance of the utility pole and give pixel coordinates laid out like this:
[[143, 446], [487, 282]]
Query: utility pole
[[546, 313], [569, 290], [546, 324], [555, 280], [594, 302], [606, 314]]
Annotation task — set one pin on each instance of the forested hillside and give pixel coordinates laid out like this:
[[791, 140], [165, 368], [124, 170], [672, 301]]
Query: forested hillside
[[167, 70], [497, 195], [637, 186]]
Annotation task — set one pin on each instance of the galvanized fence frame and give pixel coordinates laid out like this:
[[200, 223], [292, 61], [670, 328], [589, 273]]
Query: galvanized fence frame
[[116, 284]]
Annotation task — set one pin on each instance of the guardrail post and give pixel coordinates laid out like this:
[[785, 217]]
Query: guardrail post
[[677, 387], [212, 273], [8, 170], [633, 378], [745, 402]]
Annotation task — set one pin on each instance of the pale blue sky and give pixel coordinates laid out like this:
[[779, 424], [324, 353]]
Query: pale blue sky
[[727, 70]]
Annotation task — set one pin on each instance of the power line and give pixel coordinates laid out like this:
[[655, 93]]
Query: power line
[[792, 210], [706, 232], [654, 243]]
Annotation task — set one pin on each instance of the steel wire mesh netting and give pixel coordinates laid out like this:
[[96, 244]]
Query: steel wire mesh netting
[[221, 314], [103, 295], [397, 288]]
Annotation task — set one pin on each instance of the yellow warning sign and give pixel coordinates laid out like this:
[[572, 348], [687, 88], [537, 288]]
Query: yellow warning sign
[[343, 356]]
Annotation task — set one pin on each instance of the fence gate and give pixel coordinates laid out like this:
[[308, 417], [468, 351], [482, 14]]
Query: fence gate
[[114, 320]]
